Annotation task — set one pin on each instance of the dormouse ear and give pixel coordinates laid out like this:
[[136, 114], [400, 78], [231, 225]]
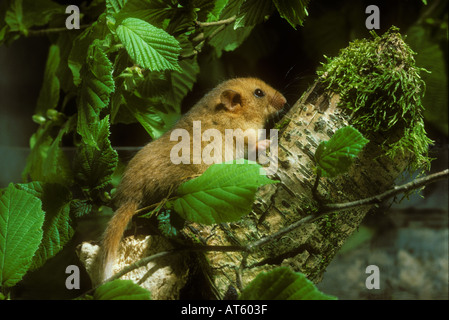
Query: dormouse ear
[[231, 99]]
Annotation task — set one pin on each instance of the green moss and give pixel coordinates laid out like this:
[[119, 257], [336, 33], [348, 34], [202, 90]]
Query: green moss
[[327, 224], [282, 124], [381, 88], [307, 205]]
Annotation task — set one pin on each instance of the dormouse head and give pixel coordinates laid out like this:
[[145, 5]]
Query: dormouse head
[[249, 99]]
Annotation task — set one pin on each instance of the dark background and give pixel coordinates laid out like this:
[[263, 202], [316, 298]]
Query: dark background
[[409, 242]]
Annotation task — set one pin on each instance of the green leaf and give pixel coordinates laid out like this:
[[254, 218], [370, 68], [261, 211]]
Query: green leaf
[[178, 83], [49, 94], [292, 10], [282, 284], [149, 103], [253, 12], [154, 12], [57, 225], [96, 88], [203, 8], [80, 208], [223, 193], [94, 166], [80, 48], [154, 85], [335, 156], [232, 36], [21, 219], [146, 114], [215, 12], [182, 82], [169, 223], [181, 20], [23, 14], [121, 290], [114, 6], [64, 74], [230, 8], [14, 17], [46, 161], [152, 48], [430, 56]]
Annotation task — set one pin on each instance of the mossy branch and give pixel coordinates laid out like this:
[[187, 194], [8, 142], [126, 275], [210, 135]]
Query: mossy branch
[[383, 67]]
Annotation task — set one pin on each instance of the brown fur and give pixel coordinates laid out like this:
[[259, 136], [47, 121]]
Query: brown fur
[[150, 174]]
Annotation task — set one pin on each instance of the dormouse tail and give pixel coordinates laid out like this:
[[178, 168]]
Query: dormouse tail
[[112, 237]]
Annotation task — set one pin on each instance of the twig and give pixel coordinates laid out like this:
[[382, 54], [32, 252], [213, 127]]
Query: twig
[[214, 33], [216, 23], [201, 39], [43, 32], [239, 270], [157, 205], [327, 208], [189, 55], [315, 185], [280, 233], [415, 184]]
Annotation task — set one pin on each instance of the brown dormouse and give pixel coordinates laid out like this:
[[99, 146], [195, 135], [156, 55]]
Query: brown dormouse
[[241, 103]]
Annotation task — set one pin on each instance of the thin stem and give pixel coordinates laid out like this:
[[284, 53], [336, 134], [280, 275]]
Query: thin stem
[[281, 232], [201, 39], [216, 23], [315, 185], [239, 271], [43, 32], [189, 55], [214, 33], [158, 205], [415, 184]]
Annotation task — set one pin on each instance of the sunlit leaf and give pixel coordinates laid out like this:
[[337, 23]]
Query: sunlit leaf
[[151, 47], [225, 192]]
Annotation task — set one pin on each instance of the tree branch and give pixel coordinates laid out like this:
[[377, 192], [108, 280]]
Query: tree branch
[[144, 261]]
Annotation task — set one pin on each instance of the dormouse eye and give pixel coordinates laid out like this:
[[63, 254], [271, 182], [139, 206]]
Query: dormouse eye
[[259, 93]]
